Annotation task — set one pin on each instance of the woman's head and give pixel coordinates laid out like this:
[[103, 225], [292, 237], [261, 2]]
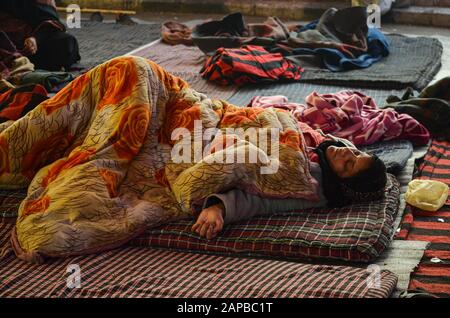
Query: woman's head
[[347, 162], [350, 175]]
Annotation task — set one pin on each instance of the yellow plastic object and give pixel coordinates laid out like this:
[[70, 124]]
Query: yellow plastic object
[[428, 195]]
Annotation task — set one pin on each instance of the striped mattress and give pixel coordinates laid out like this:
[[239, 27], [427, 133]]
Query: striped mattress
[[149, 272], [356, 233]]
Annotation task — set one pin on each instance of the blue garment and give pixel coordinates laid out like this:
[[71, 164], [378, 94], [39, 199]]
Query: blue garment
[[336, 61]]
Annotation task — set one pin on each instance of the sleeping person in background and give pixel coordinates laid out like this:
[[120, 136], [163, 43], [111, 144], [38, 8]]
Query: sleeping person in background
[[345, 176], [36, 31]]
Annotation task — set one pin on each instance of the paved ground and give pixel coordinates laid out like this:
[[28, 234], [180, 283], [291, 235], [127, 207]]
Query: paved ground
[[441, 33]]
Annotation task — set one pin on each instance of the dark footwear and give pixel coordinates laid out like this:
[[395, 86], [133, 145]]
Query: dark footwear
[[96, 17], [125, 19]]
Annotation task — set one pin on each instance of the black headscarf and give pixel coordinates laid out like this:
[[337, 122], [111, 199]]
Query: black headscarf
[[368, 185]]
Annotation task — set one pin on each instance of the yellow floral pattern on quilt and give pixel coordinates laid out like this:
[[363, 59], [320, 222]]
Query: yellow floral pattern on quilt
[[96, 159]]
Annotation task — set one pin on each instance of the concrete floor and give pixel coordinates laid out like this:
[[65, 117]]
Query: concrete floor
[[442, 34]]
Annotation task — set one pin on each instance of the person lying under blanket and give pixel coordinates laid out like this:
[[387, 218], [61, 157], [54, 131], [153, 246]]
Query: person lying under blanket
[[98, 161], [345, 174], [37, 32]]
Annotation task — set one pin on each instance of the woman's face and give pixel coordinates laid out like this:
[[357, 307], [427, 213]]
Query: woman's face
[[347, 162]]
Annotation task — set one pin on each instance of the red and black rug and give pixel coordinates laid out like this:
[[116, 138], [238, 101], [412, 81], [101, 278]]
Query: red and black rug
[[433, 273]]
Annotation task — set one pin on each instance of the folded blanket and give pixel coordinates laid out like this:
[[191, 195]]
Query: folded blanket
[[52, 81], [342, 58], [104, 158], [431, 107], [344, 30], [350, 115], [19, 68], [394, 153], [249, 65], [173, 33], [431, 275]]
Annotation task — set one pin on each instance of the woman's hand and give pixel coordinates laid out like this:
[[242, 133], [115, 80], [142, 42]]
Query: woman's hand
[[30, 46], [209, 222]]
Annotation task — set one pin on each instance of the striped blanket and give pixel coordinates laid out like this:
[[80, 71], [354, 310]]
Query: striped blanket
[[144, 272], [432, 275], [249, 64], [357, 233]]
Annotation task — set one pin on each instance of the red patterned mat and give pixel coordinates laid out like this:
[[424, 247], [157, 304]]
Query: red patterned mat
[[433, 273]]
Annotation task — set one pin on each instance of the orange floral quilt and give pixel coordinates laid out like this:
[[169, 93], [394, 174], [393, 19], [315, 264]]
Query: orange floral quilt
[[103, 159]]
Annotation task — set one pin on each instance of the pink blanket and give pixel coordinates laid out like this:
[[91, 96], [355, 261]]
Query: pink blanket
[[351, 115]]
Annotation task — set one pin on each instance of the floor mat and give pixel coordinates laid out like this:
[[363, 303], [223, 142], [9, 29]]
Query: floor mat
[[174, 58], [185, 62], [147, 272], [401, 258], [209, 89], [413, 61], [432, 275], [356, 233], [100, 42], [297, 92]]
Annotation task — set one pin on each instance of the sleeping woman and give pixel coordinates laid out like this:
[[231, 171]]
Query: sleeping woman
[[345, 175]]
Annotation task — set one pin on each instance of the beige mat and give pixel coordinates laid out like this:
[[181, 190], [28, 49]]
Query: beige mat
[[174, 58], [185, 62], [210, 89], [401, 258]]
